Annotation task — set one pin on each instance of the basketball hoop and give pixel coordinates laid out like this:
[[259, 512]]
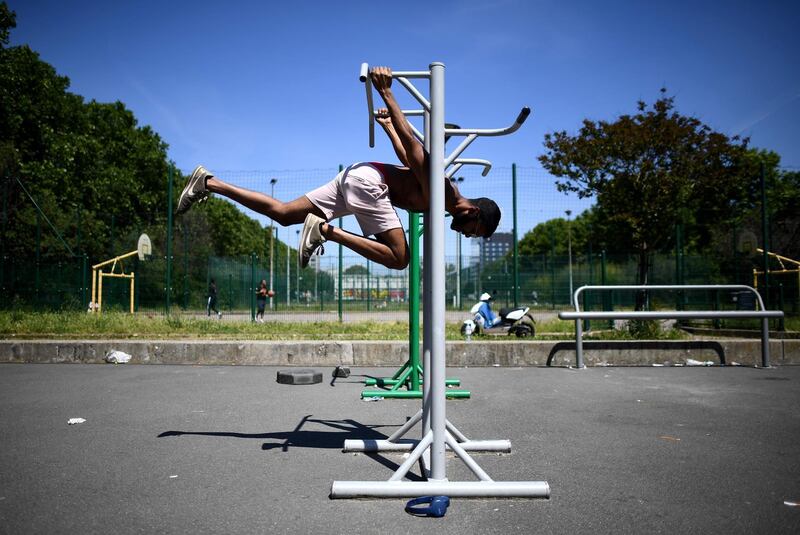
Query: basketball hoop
[[747, 242], [144, 248]]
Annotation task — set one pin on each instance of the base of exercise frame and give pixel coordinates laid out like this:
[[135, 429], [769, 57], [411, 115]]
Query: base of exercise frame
[[374, 446], [462, 489], [412, 394], [386, 381]]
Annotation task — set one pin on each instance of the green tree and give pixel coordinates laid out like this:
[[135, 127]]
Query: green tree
[[83, 163], [554, 236], [233, 233], [649, 171], [8, 20], [356, 269]]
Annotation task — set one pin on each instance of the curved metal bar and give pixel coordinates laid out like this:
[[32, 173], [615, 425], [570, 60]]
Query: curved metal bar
[[458, 150], [414, 92], [453, 170], [364, 77], [461, 162], [417, 133], [580, 290], [487, 165], [523, 115], [670, 314]]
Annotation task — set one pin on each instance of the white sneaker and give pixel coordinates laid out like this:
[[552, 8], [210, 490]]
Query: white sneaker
[[195, 190], [219, 315], [310, 239]]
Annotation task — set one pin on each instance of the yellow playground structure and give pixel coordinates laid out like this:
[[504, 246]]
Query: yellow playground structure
[[783, 271], [143, 249]]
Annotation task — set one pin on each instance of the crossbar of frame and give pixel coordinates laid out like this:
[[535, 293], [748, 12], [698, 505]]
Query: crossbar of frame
[[455, 489], [397, 443]]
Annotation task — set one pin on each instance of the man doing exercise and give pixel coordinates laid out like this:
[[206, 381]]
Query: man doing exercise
[[370, 191]]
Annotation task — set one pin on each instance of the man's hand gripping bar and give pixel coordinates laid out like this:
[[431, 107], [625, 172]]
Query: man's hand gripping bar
[[364, 77]]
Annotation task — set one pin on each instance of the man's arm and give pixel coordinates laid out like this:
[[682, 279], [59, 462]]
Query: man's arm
[[415, 156], [385, 120]]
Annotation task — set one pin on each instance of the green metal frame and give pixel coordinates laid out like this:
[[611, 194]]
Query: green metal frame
[[410, 374]]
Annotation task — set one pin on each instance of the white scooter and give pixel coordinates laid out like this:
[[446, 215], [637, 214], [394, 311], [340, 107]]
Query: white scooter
[[517, 321]]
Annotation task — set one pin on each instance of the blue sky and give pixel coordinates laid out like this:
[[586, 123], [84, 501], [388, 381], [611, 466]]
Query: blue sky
[[274, 85]]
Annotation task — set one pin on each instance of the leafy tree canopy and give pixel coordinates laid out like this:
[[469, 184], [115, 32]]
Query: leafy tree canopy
[[96, 175], [8, 20], [552, 237], [650, 170], [356, 269]]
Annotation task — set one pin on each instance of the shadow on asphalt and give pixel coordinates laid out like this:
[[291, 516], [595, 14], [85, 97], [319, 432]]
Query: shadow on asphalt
[[300, 438]]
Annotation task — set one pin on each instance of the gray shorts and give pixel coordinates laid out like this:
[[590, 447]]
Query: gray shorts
[[359, 190]]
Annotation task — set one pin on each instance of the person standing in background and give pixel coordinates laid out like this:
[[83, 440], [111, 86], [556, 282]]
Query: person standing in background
[[212, 299], [261, 300]]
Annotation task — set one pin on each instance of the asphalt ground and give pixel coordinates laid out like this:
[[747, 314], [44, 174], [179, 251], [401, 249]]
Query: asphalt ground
[[201, 449]]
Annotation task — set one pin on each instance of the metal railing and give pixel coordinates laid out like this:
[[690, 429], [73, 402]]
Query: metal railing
[[578, 315]]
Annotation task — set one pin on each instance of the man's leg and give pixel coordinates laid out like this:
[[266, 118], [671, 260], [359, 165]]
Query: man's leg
[[389, 248], [285, 213]]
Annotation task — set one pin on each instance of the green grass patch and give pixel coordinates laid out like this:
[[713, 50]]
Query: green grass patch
[[118, 325]]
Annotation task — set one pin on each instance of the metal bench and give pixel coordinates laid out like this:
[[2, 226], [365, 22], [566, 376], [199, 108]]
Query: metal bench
[[579, 315]]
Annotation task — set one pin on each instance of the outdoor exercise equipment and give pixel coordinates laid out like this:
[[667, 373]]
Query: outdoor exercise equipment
[[143, 249], [437, 433], [579, 315]]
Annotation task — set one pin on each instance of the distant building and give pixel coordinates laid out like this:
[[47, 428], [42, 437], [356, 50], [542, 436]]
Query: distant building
[[382, 287], [494, 248]]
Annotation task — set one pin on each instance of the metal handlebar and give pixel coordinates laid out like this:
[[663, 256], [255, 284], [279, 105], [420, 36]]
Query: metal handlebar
[[458, 163], [741, 287], [523, 115], [364, 77]]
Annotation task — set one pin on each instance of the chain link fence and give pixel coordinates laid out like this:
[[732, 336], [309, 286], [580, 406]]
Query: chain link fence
[[340, 285], [363, 290]]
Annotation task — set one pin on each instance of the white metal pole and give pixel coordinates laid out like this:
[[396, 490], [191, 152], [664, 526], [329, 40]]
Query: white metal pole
[[436, 263]]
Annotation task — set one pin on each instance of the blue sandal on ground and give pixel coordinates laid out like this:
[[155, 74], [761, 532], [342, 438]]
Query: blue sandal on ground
[[436, 506]]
